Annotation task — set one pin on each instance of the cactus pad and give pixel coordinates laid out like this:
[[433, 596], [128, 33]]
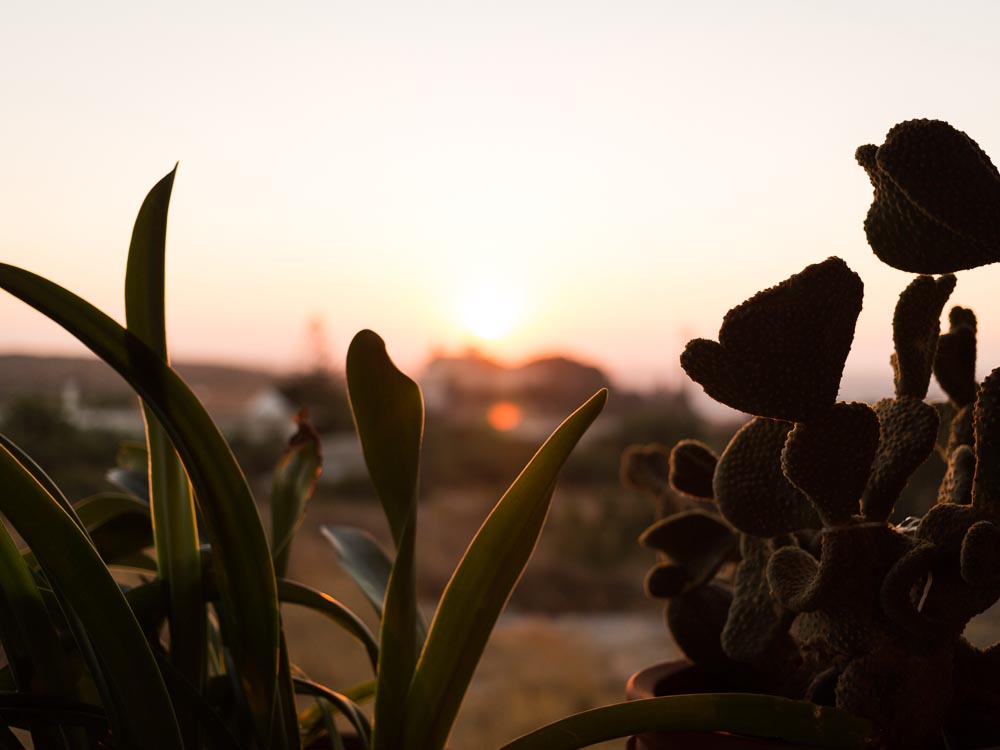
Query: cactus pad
[[750, 488], [756, 631], [956, 486], [980, 555], [696, 619], [692, 465], [829, 459], [937, 199], [916, 325], [909, 429], [666, 580], [781, 353], [646, 468], [986, 427], [696, 541], [955, 362]]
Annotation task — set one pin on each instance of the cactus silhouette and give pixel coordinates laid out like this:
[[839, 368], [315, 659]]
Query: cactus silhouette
[[783, 567]]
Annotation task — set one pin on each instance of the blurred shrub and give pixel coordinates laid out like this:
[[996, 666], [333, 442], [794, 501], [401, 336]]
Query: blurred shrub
[[324, 394], [75, 459], [460, 453]]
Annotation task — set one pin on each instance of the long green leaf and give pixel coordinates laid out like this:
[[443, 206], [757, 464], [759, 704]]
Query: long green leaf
[[149, 604], [40, 476], [119, 525], [341, 702], [313, 715], [290, 592], [481, 585], [29, 708], [30, 641], [798, 722], [389, 415], [188, 698], [361, 692], [364, 560], [246, 575], [286, 727], [92, 598], [292, 487], [130, 481], [174, 526], [145, 296], [316, 720], [397, 645], [96, 510]]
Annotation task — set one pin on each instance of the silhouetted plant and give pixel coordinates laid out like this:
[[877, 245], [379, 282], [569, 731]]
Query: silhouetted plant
[[786, 576], [89, 662]]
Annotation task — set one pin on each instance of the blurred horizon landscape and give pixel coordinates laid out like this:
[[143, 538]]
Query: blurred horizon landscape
[[867, 385], [526, 201]]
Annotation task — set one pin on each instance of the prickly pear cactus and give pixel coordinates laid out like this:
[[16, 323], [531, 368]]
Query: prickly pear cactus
[[781, 566]]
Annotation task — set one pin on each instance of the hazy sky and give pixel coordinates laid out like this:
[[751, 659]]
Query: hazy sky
[[617, 174]]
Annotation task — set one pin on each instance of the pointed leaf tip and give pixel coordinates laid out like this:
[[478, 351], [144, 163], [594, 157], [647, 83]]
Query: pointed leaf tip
[[482, 583]]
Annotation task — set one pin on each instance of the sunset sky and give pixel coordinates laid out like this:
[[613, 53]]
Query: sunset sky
[[601, 179]]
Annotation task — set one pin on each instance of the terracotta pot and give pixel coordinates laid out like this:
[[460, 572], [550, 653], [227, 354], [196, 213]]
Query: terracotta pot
[[680, 678]]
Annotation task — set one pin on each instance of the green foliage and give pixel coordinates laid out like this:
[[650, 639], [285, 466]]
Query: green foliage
[[195, 654], [793, 721], [292, 487], [175, 527], [828, 600]]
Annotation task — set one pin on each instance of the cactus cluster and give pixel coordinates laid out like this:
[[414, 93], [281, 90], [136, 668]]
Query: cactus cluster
[[781, 569]]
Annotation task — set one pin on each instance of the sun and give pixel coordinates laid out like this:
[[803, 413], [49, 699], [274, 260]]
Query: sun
[[488, 311]]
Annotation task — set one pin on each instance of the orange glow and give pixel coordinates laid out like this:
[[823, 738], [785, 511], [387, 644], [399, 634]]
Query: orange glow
[[504, 416]]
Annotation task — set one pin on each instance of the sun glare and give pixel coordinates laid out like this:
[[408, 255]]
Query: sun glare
[[504, 416], [488, 312]]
